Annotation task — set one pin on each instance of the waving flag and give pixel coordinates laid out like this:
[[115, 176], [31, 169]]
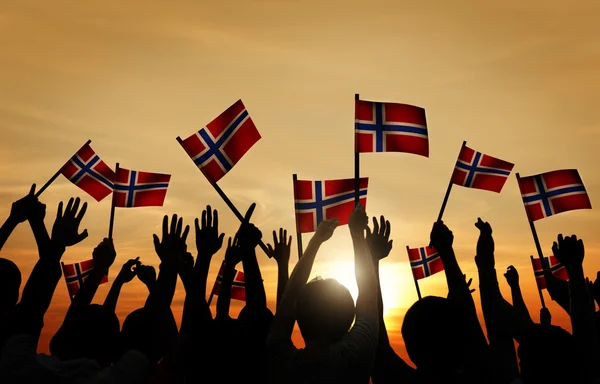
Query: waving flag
[[140, 189], [238, 285], [551, 264], [77, 273], [476, 170], [553, 192], [316, 201], [87, 171], [390, 127], [424, 262], [216, 148]]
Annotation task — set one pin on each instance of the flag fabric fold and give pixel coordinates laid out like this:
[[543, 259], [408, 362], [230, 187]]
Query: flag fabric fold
[[87, 171], [390, 127], [424, 262], [238, 285], [477, 170], [316, 201], [140, 189], [76, 274], [551, 193], [216, 148], [551, 264]]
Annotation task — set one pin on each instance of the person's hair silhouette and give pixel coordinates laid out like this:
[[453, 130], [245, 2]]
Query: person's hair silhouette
[[324, 311]]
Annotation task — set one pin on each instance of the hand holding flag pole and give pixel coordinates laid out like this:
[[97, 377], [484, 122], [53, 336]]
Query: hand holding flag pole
[[55, 176]]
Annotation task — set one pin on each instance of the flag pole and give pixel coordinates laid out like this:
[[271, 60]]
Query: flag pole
[[416, 281], [112, 206], [538, 287], [39, 192], [449, 189], [232, 207], [63, 271], [298, 234], [533, 231], [356, 160]]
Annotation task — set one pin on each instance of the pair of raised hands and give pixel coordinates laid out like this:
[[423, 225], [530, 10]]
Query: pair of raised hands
[[247, 238], [134, 267]]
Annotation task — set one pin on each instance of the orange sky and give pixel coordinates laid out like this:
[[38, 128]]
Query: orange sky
[[516, 80]]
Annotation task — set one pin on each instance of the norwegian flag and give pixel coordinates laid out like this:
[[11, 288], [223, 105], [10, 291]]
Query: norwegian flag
[[238, 285], [216, 148], [87, 171], [77, 273], [424, 262], [477, 170], [140, 189], [551, 264], [316, 201], [390, 127], [553, 192]]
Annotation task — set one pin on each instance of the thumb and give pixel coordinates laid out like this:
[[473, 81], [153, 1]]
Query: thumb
[[82, 235], [156, 241]]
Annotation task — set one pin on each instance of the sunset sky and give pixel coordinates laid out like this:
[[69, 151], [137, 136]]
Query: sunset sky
[[517, 80]]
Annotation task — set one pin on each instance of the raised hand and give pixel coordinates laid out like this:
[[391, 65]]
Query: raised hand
[[104, 254], [378, 240], [173, 240], [66, 226], [234, 253], [146, 274], [569, 251], [23, 208], [469, 283], [128, 270], [208, 239], [325, 229], [512, 277], [358, 220], [38, 211], [248, 235], [281, 248], [185, 266], [485, 244], [441, 237]]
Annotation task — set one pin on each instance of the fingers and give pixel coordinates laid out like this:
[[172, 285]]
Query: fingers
[[165, 226], [208, 216], [289, 244], [221, 239], [270, 249], [375, 226], [274, 238], [59, 212], [382, 224], [75, 207], [156, 241], [32, 190], [249, 213], [388, 230], [369, 233], [185, 233], [176, 224], [203, 219], [69, 206], [79, 216], [229, 243], [215, 222], [281, 236], [83, 235], [197, 225]]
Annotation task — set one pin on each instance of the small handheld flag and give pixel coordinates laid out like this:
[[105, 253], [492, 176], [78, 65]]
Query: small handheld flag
[[76, 274], [238, 285], [316, 201], [477, 170], [424, 262], [550, 264]]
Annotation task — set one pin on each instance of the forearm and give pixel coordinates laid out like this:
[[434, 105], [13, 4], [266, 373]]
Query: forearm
[[86, 294], [457, 286], [366, 279], [255, 289], [519, 302], [42, 238], [40, 287], [224, 299], [384, 340], [164, 289], [110, 303], [282, 279], [202, 268], [6, 230]]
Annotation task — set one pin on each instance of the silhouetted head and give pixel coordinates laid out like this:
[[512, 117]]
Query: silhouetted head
[[93, 334], [436, 335], [151, 332], [548, 355], [324, 310], [10, 283]]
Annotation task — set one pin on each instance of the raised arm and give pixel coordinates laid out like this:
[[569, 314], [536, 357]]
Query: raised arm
[[127, 273], [248, 238], [280, 252], [233, 257], [495, 312], [171, 247], [208, 242], [512, 278], [558, 290], [570, 252], [284, 320]]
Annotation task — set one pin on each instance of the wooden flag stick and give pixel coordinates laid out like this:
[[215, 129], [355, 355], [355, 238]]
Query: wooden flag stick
[[63, 271], [538, 287], [449, 189], [112, 206], [233, 208], [533, 231], [298, 234], [39, 192], [416, 281], [356, 162]]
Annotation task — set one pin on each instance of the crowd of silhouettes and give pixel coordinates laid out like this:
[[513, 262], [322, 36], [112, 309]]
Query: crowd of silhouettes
[[345, 342]]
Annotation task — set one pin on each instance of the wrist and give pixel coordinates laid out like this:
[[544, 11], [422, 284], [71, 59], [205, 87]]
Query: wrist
[[11, 221]]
